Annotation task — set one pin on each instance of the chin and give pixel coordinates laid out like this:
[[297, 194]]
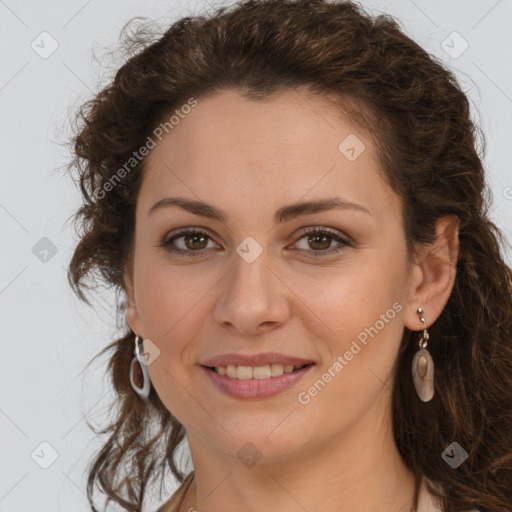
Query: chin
[[270, 439]]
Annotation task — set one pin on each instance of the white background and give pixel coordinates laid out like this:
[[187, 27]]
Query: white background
[[47, 335]]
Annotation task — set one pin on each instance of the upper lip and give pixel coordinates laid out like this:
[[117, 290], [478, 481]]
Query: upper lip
[[263, 359]]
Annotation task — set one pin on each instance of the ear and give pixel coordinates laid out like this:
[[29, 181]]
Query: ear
[[132, 312], [433, 274]]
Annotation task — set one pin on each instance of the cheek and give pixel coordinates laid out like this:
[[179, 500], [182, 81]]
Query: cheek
[[355, 298], [167, 295], [171, 303], [172, 314], [362, 306], [365, 312]]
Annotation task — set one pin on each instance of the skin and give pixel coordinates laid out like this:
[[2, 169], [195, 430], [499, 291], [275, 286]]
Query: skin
[[335, 453]]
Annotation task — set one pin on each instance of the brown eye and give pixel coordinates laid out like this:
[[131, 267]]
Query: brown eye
[[319, 241], [195, 241], [190, 242]]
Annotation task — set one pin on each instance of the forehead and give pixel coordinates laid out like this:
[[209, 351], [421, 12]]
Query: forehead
[[283, 148]]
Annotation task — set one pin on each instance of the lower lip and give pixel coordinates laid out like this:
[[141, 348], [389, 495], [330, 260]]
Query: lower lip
[[256, 388]]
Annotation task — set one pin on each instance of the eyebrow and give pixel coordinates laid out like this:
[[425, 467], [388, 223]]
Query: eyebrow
[[281, 215]]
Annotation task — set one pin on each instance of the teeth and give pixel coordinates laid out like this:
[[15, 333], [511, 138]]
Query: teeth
[[256, 372]]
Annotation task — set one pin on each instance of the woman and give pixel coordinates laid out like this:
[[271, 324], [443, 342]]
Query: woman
[[289, 197]]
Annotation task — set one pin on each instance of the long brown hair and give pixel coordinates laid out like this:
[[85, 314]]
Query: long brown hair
[[427, 144]]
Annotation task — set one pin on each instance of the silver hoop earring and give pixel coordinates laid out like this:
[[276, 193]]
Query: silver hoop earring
[[139, 375], [423, 365]]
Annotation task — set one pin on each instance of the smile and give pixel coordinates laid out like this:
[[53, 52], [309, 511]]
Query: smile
[[256, 372], [258, 382]]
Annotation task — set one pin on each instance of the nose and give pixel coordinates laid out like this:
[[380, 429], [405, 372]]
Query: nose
[[253, 299]]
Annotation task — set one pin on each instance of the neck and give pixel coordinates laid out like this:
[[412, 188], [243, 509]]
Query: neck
[[360, 470]]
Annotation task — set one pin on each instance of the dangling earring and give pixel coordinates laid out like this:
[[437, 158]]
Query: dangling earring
[[139, 375], [423, 365]]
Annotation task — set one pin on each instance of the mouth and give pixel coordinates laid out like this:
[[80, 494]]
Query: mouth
[[268, 371], [255, 382]]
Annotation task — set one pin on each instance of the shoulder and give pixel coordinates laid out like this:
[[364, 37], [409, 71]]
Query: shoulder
[[428, 502], [174, 502]]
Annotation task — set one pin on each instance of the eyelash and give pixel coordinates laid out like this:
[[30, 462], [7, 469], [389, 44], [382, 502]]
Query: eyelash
[[316, 230]]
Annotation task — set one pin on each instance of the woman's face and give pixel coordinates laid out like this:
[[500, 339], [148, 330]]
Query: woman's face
[[258, 285]]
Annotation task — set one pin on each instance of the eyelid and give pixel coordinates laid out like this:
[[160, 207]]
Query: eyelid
[[180, 232], [324, 229], [342, 239]]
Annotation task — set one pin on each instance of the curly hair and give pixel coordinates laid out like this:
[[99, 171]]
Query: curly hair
[[415, 111]]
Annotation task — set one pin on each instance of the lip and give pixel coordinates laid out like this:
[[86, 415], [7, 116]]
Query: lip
[[261, 359], [256, 388]]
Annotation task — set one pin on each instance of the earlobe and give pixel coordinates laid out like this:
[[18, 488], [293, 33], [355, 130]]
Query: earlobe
[[434, 274]]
